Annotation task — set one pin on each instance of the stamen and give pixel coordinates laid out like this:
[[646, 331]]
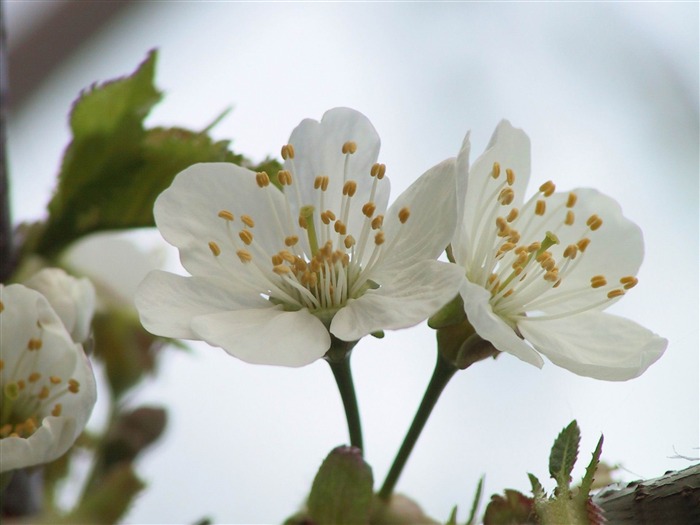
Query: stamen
[[598, 281], [349, 188], [226, 215], [244, 255], [56, 412], [246, 236], [629, 282], [540, 207], [248, 221], [349, 147], [496, 170], [548, 188], [379, 238], [290, 241], [571, 251], [284, 177], [404, 214], [34, 344], [349, 242], [281, 269], [569, 218], [378, 171], [214, 248], [287, 151], [321, 183], [571, 200], [368, 209], [510, 176], [512, 215], [615, 293], [583, 244], [263, 179], [377, 222], [594, 222], [506, 196]]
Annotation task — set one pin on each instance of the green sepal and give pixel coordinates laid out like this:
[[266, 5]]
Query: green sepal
[[537, 488], [564, 454], [453, 517], [475, 502], [512, 507], [342, 490], [587, 481], [451, 313]]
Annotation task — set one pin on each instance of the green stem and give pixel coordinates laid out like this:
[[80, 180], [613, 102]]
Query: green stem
[[441, 376], [343, 377]]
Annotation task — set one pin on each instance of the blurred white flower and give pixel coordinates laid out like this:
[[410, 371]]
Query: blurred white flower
[[273, 272], [47, 385], [540, 273], [71, 298]]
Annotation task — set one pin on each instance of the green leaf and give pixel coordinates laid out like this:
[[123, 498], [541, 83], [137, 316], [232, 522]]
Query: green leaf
[[587, 481], [114, 168], [563, 455], [537, 488], [475, 504], [342, 490]]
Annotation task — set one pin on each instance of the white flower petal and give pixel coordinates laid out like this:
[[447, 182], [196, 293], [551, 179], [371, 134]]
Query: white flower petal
[[269, 337], [71, 298], [510, 147], [318, 151], [596, 344], [167, 303], [27, 316], [409, 298], [187, 215], [429, 228], [492, 328]]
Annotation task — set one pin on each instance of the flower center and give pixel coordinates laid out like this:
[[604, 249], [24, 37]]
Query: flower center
[[524, 273], [318, 264], [28, 396]]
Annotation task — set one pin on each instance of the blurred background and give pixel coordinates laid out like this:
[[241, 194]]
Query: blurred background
[[608, 93]]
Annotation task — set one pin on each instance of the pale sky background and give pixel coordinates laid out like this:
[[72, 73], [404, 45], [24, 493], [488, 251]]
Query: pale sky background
[[608, 93]]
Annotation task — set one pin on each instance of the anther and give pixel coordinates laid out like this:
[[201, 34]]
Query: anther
[[321, 182], [285, 177], [246, 236], [571, 251], [340, 228], [506, 196], [34, 377], [379, 238], [349, 188], [629, 282], [349, 147], [571, 200], [291, 240], [583, 244], [594, 222], [496, 170], [540, 207], [215, 250], [598, 280], [548, 188], [377, 222], [44, 392], [349, 241], [263, 179], [287, 151], [303, 223], [244, 256], [277, 260], [378, 170], [501, 224], [226, 215], [281, 269], [55, 380], [287, 256], [34, 344], [552, 276], [569, 218], [57, 410], [615, 293], [73, 386], [512, 215], [368, 209], [404, 214], [248, 221], [510, 177]]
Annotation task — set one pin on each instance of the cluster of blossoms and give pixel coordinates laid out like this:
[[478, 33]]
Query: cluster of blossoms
[[47, 385], [277, 271]]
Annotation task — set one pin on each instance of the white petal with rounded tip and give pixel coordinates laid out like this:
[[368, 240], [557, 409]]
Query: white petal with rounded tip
[[510, 147], [596, 344], [492, 328], [71, 298], [167, 303], [409, 298], [429, 228], [23, 310], [266, 336], [616, 249], [187, 215], [318, 151]]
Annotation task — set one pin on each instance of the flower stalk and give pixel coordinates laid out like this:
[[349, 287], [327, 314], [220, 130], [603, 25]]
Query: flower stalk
[[338, 358]]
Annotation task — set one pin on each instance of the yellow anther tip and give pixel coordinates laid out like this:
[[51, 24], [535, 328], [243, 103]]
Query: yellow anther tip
[[215, 250], [404, 214], [226, 215]]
